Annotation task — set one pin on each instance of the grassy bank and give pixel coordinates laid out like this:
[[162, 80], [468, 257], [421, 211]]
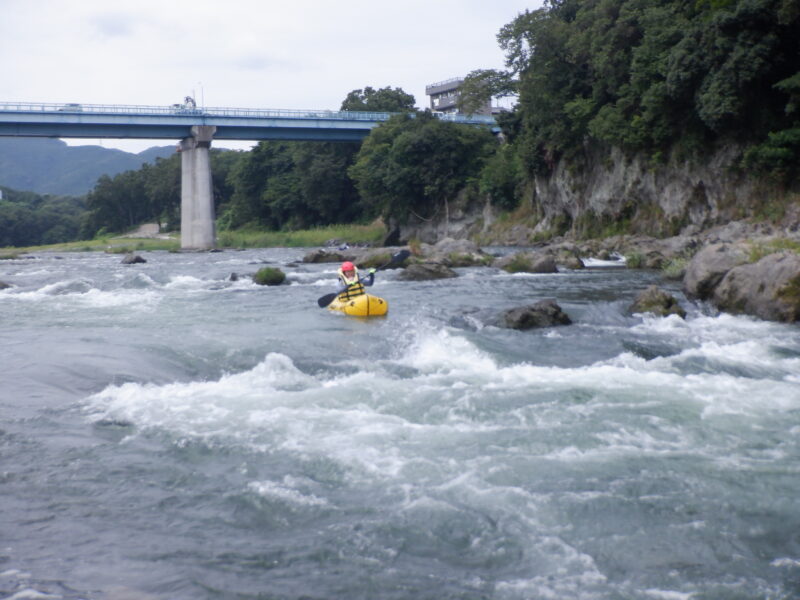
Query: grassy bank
[[352, 234], [120, 245]]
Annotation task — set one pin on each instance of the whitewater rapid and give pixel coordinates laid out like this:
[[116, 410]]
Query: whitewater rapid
[[174, 433]]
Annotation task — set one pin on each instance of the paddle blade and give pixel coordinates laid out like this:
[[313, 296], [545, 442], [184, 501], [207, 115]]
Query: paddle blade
[[327, 299], [396, 258]]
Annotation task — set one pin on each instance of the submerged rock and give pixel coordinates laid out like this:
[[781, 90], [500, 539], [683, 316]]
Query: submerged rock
[[658, 302], [131, 259], [545, 313]]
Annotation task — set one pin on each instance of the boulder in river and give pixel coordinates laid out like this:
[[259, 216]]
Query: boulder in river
[[658, 302], [327, 256], [269, 276], [426, 271], [527, 262], [456, 253], [545, 313], [709, 266], [131, 259], [768, 289]]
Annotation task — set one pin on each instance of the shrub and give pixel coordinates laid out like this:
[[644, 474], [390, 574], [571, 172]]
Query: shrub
[[269, 276], [520, 263], [675, 268], [634, 260]]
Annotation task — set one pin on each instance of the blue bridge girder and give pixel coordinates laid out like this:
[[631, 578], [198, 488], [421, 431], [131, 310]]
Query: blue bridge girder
[[176, 122]]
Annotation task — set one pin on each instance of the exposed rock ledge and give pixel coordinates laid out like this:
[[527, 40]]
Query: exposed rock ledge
[[768, 288]]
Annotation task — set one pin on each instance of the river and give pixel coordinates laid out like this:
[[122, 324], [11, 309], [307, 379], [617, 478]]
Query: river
[[168, 433]]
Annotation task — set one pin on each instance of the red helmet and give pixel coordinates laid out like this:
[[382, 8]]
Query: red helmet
[[348, 266]]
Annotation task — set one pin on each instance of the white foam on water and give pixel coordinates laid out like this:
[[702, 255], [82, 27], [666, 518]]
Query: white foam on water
[[286, 492], [440, 351], [791, 563], [31, 594], [186, 282], [597, 262], [667, 594], [383, 425], [82, 293]]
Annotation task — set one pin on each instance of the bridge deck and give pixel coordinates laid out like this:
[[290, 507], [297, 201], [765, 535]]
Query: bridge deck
[[175, 122]]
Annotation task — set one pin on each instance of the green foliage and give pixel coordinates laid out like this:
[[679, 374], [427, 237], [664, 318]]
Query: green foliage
[[269, 276], [778, 155], [634, 260], [255, 238], [675, 268], [645, 75], [480, 86], [412, 165], [501, 178], [762, 249], [301, 185], [382, 100], [151, 194], [28, 219], [520, 263]]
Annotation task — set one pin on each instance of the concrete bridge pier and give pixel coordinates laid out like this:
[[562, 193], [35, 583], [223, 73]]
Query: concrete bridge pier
[[197, 192]]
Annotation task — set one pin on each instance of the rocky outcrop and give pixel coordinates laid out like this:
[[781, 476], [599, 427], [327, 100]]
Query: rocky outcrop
[[725, 275], [709, 266], [605, 186], [545, 313], [656, 301], [527, 262], [463, 217], [328, 256], [768, 289], [426, 272], [455, 253]]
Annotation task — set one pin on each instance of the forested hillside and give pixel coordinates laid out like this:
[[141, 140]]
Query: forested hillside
[[50, 166], [667, 87], [28, 219]]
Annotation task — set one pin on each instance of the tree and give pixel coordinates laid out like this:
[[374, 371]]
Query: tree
[[414, 164], [649, 75], [28, 219], [383, 100]]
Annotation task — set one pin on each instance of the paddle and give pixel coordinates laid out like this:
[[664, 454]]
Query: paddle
[[395, 259]]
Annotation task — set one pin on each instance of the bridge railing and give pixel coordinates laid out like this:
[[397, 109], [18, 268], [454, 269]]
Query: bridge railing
[[183, 110]]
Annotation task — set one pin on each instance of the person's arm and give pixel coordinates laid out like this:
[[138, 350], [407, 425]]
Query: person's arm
[[370, 278]]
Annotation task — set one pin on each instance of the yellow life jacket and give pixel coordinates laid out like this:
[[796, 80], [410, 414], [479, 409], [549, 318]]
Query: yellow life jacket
[[354, 286]]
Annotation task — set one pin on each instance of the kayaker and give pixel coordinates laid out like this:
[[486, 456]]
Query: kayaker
[[352, 285]]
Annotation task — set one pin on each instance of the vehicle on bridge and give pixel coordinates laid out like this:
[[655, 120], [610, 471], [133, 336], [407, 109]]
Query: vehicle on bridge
[[71, 107], [188, 107]]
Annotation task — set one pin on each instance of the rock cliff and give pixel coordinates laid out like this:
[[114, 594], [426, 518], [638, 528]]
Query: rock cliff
[[604, 192]]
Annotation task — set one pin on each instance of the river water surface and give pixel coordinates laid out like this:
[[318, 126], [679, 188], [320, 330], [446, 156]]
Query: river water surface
[[166, 433]]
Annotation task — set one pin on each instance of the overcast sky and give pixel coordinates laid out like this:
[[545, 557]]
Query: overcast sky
[[294, 54]]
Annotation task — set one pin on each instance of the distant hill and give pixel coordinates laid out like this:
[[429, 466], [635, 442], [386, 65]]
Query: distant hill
[[50, 166]]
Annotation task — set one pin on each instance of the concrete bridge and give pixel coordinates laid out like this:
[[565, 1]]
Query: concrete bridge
[[196, 128]]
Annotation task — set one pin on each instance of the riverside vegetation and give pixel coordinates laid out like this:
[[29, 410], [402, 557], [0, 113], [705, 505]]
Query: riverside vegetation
[[650, 129]]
